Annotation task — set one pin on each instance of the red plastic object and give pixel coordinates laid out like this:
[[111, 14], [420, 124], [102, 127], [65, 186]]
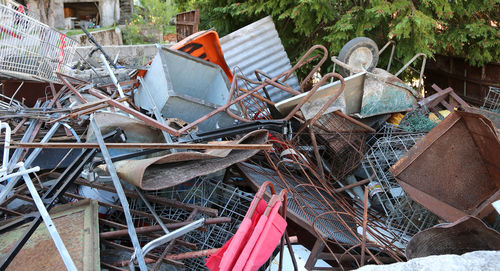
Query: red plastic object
[[256, 238], [265, 237], [226, 256]]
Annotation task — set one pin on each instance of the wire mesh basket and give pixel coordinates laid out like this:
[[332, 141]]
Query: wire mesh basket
[[31, 50]]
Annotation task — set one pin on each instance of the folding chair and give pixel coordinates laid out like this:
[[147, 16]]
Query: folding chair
[[258, 235]]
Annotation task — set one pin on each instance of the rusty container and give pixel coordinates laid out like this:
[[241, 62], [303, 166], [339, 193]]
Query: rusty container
[[455, 170]]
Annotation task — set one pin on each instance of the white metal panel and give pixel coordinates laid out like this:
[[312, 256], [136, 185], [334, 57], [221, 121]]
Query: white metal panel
[[258, 46]]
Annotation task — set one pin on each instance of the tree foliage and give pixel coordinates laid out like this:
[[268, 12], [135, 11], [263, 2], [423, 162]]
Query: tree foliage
[[451, 27], [150, 17]]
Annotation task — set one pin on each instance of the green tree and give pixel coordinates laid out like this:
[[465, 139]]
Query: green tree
[[150, 17], [450, 27]]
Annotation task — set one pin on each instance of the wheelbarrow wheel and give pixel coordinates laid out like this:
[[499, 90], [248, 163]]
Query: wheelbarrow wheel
[[360, 52]]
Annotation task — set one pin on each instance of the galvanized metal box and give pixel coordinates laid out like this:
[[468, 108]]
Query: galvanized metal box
[[185, 87]]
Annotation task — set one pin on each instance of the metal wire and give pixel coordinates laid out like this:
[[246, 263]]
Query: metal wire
[[31, 50], [404, 217], [334, 219]]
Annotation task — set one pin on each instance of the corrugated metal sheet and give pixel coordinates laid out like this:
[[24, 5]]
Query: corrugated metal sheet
[[258, 46]]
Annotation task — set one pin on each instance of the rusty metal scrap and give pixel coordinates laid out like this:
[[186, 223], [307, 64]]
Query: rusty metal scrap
[[454, 170], [464, 235]]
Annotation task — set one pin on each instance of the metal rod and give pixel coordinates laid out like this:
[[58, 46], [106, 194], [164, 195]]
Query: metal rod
[[147, 229], [59, 145], [121, 194], [68, 262], [152, 210]]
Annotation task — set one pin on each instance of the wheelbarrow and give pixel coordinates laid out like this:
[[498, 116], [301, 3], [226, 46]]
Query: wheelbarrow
[[369, 91]]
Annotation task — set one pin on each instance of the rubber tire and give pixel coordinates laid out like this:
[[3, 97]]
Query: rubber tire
[[346, 52]]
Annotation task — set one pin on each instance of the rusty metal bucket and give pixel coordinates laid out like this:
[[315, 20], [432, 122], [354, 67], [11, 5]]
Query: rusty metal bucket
[[455, 170]]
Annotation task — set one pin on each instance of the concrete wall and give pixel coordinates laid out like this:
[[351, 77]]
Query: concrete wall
[[132, 55], [103, 37], [109, 11]]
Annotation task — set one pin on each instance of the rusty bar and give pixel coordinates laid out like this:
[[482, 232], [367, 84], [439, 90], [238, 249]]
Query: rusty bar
[[125, 248], [72, 88], [86, 109], [146, 229], [55, 145], [121, 226], [355, 121], [192, 254], [19, 125], [349, 186], [365, 222], [112, 267]]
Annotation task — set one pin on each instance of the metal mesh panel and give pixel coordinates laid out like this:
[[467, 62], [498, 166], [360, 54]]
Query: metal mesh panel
[[204, 192], [403, 215], [30, 50], [492, 100]]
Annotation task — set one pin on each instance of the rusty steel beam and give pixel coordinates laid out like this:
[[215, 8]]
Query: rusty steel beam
[[147, 229], [194, 146]]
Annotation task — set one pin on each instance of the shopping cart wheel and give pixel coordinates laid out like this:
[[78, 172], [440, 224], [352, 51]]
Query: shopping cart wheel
[[360, 52]]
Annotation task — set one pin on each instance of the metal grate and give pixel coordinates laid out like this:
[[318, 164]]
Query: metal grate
[[404, 217], [30, 50], [204, 192], [492, 100]]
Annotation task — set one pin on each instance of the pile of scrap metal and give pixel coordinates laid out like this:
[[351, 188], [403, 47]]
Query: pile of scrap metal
[[167, 167]]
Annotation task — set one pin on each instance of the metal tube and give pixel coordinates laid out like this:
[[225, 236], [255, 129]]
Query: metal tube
[[27, 163]]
